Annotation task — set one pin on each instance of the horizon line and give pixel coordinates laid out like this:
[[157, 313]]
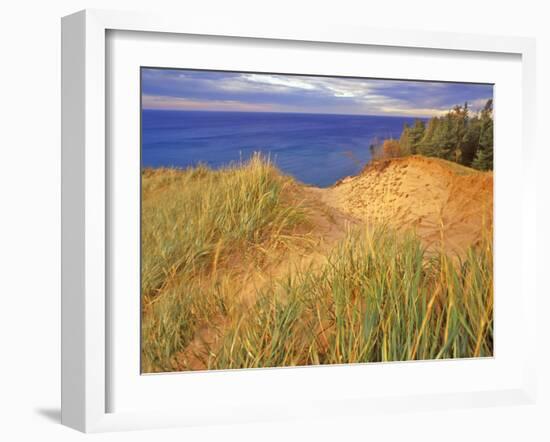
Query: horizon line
[[284, 112]]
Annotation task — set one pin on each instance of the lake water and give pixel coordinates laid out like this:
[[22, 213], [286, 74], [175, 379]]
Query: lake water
[[316, 149]]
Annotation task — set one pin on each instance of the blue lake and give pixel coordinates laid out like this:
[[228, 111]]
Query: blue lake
[[317, 149]]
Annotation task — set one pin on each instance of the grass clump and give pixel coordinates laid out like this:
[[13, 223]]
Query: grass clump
[[380, 297], [196, 223]]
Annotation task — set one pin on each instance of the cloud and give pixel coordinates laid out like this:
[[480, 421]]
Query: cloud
[[279, 80], [413, 112], [213, 90], [477, 105], [178, 103]]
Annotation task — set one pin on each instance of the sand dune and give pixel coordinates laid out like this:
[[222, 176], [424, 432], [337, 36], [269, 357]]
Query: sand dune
[[446, 204], [449, 206]]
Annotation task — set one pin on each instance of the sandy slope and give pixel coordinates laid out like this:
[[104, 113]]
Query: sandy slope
[[445, 203]]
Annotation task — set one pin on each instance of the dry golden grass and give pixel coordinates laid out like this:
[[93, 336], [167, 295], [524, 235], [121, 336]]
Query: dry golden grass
[[202, 231], [209, 238]]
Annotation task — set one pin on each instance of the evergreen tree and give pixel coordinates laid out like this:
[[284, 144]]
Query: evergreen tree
[[461, 120], [405, 140], [444, 139], [426, 145], [484, 155], [411, 137], [470, 141], [416, 135], [456, 136]]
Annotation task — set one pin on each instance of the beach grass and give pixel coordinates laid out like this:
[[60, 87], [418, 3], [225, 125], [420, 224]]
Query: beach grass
[[201, 228], [378, 296]]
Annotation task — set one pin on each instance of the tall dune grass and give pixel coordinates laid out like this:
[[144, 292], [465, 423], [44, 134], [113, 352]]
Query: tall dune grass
[[379, 298], [195, 223]]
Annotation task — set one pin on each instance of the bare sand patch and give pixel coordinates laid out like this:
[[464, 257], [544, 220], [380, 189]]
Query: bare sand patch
[[448, 205]]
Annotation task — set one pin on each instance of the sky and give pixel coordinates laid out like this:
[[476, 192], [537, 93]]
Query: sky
[[178, 89]]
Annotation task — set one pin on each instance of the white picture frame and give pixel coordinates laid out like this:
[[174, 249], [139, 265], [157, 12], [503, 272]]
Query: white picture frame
[[86, 200]]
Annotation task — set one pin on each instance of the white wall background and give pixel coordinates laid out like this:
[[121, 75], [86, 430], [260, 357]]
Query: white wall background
[[30, 215]]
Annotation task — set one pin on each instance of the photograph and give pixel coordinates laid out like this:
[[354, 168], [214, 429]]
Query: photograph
[[302, 220]]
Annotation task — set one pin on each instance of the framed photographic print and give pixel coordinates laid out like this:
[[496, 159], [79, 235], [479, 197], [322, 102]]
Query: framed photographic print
[[302, 220], [251, 213]]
